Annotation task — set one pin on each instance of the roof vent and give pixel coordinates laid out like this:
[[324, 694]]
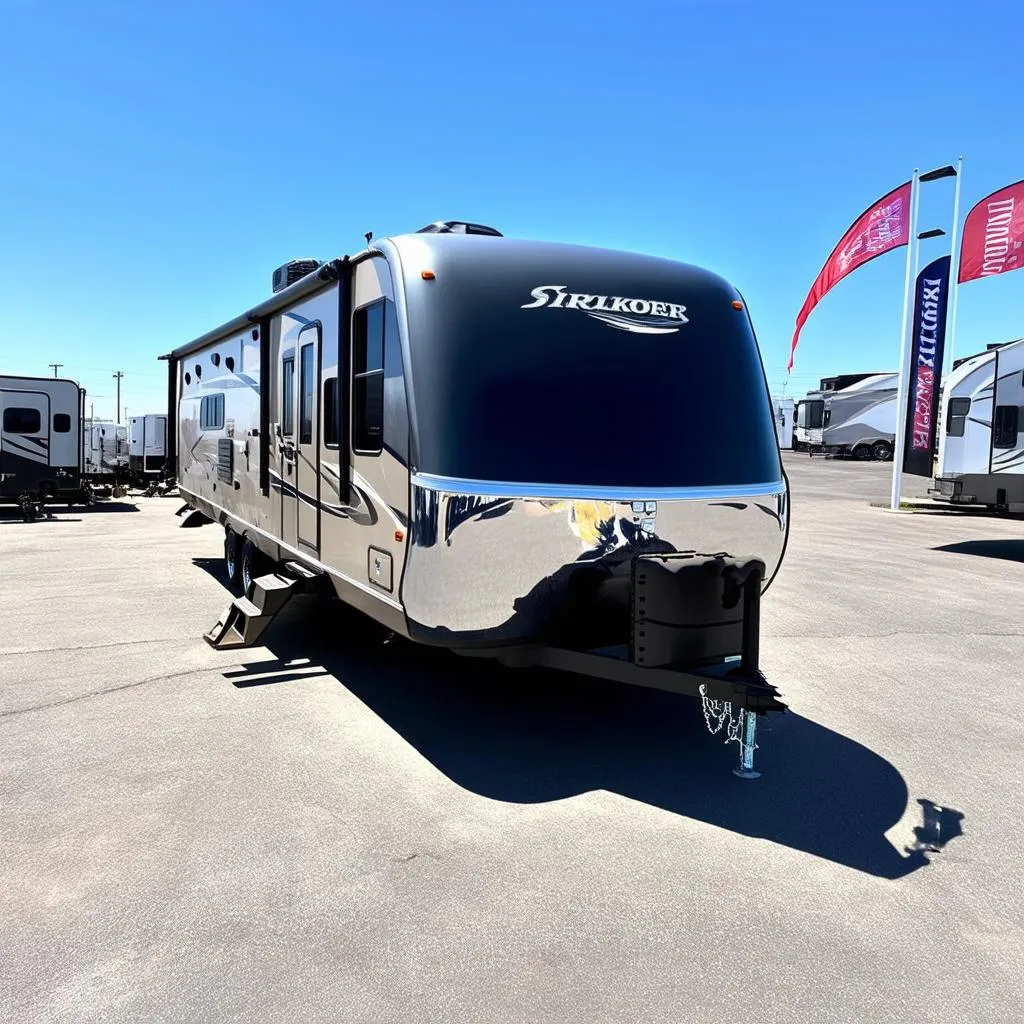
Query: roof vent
[[458, 227], [292, 271]]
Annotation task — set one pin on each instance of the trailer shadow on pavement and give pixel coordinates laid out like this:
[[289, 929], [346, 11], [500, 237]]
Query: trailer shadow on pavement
[[65, 513], [531, 736], [11, 517], [1009, 549]]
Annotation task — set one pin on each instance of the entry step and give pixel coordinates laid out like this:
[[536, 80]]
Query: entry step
[[302, 571]]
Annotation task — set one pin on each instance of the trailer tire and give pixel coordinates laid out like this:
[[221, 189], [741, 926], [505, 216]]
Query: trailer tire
[[232, 557], [882, 451], [251, 566], [863, 452]]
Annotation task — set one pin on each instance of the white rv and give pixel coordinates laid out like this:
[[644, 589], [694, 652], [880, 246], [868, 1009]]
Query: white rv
[[981, 429], [785, 415], [475, 441], [854, 414], [40, 425], [104, 451], [147, 448]]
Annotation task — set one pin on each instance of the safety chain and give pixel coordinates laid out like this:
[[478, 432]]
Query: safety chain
[[722, 710]]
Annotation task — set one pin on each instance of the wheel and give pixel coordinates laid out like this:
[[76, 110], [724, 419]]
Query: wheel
[[882, 451], [862, 452], [232, 556], [252, 565]]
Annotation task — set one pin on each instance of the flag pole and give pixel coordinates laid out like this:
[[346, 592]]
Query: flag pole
[[954, 269], [903, 383]]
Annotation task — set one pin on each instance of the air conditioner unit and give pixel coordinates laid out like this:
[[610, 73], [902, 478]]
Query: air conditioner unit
[[292, 271], [458, 227]]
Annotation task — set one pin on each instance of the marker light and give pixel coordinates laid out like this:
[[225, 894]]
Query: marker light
[[427, 275], [736, 304]]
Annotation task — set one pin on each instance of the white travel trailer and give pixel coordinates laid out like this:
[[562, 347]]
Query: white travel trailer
[[475, 441], [853, 415], [104, 451], [981, 429], [147, 448], [784, 409], [40, 425]]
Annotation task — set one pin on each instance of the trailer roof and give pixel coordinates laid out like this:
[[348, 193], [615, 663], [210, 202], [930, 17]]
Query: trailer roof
[[489, 254], [419, 249]]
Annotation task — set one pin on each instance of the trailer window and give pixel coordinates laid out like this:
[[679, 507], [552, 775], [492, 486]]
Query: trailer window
[[288, 397], [330, 412], [396, 411], [368, 379], [1004, 427], [956, 416], [211, 412], [62, 423], [307, 366], [18, 420]]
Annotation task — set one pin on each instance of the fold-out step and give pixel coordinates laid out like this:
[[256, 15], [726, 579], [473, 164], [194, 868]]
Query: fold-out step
[[243, 621]]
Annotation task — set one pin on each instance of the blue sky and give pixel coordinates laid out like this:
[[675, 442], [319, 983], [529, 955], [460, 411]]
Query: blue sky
[[160, 160]]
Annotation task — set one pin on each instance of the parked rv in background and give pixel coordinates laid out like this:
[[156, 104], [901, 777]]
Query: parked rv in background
[[785, 414], [104, 452], [851, 414], [147, 449], [40, 431], [981, 429]]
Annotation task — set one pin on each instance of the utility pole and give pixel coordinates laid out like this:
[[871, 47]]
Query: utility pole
[[56, 367], [117, 376]]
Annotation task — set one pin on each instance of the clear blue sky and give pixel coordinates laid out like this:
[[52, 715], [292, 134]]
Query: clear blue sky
[[159, 160]]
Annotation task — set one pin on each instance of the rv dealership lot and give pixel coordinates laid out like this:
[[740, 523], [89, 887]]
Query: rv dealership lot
[[324, 828]]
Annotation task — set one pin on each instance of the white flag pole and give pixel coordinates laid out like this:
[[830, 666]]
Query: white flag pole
[[903, 383], [954, 272]]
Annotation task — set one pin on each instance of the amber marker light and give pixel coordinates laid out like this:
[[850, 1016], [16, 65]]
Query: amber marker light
[[736, 304], [399, 536], [427, 275]]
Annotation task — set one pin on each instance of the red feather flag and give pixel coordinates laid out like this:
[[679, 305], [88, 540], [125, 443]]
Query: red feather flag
[[881, 227], [993, 241]]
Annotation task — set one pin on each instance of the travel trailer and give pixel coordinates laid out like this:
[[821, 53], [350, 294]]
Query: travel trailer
[[853, 415], [981, 430], [784, 409], [475, 441], [147, 448], [104, 452], [40, 427]]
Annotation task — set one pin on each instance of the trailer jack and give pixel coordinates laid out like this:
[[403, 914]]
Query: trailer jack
[[32, 507]]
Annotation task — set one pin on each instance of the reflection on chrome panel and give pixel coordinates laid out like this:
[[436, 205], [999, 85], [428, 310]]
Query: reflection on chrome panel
[[488, 568]]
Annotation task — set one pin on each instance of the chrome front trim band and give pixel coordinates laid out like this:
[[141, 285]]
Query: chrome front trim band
[[493, 563], [509, 489]]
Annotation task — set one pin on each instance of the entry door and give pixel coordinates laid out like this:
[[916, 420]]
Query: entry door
[[24, 436], [288, 451], [307, 461]]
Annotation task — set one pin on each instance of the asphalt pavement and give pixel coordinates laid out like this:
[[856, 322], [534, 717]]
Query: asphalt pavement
[[328, 827]]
